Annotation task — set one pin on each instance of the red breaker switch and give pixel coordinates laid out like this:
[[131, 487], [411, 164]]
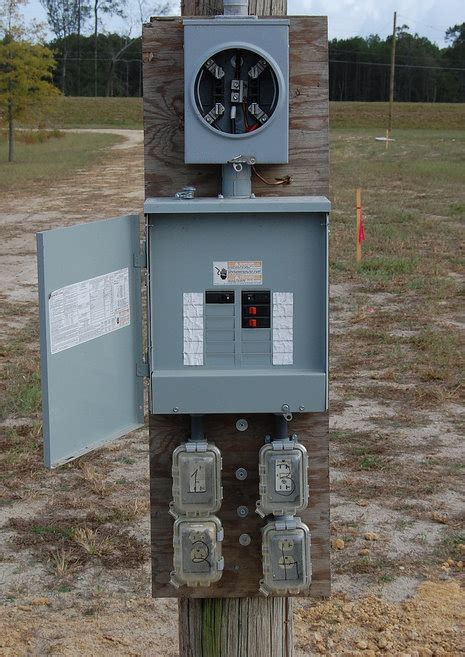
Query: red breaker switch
[[252, 323], [252, 310]]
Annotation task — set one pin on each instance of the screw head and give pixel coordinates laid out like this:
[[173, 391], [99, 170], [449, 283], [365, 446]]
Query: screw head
[[301, 408], [244, 539], [175, 409], [242, 425], [242, 511], [241, 474]]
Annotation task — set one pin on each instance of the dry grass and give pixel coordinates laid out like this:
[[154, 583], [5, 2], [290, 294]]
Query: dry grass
[[94, 480], [93, 542], [71, 542]]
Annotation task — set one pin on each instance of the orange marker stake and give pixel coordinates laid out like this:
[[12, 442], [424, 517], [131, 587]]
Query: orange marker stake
[[360, 227]]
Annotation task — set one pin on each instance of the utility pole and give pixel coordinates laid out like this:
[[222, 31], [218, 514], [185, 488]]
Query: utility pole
[[222, 627], [391, 81]]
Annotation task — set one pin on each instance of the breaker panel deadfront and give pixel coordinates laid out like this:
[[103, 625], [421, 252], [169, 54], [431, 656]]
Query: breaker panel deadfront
[[239, 305]]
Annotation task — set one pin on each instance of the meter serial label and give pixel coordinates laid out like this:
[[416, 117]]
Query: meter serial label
[[197, 479], [234, 272]]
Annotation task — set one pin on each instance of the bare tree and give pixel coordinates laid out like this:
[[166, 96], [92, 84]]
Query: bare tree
[[64, 18], [110, 8]]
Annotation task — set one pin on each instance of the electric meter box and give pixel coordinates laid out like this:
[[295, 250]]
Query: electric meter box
[[238, 297], [236, 89]]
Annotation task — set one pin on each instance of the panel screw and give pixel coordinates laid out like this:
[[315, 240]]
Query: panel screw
[[175, 409], [294, 436], [242, 511], [301, 408], [241, 474], [236, 567], [244, 539], [242, 425]]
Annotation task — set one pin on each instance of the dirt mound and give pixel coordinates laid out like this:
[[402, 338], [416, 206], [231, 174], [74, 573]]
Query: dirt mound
[[430, 623]]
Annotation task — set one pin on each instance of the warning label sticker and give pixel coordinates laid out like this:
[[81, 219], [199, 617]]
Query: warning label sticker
[[248, 272], [89, 309]]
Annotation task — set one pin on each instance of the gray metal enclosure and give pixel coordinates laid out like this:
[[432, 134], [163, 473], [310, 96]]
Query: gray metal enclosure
[[205, 38], [207, 354]]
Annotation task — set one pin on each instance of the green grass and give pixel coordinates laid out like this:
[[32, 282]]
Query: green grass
[[69, 112], [51, 160], [439, 116]]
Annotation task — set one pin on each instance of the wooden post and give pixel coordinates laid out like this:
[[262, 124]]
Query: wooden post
[[214, 627], [391, 80], [236, 621], [358, 207]]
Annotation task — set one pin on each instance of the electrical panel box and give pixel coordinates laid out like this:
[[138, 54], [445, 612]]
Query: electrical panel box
[[286, 557], [238, 304], [196, 479], [283, 470], [236, 81], [198, 557]]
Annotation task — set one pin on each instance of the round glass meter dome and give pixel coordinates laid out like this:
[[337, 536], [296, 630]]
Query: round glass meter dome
[[236, 92]]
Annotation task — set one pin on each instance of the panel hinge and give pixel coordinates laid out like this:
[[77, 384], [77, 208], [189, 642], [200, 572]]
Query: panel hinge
[[142, 368], [140, 259]]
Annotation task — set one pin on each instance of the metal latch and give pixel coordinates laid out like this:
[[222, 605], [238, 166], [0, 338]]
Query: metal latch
[[186, 193]]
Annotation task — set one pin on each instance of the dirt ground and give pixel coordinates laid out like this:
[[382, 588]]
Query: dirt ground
[[74, 569]]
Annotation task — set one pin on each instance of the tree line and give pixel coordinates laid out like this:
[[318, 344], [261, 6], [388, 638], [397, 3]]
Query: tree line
[[359, 68]]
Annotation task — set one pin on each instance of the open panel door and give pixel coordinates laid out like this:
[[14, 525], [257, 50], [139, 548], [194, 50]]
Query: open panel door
[[90, 335]]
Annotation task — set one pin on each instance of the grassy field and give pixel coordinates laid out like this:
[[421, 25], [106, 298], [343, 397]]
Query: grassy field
[[396, 418], [70, 112], [441, 116], [43, 161]]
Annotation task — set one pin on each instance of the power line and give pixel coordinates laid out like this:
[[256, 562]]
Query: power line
[[332, 61], [433, 68]]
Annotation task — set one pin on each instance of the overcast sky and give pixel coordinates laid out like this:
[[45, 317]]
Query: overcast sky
[[347, 18]]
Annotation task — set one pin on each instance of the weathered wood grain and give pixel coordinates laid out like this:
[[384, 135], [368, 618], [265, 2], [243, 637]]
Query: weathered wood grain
[[233, 628], [165, 171], [243, 564], [214, 7]]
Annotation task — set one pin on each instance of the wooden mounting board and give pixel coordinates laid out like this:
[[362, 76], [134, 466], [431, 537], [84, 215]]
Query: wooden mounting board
[[166, 173], [243, 564]]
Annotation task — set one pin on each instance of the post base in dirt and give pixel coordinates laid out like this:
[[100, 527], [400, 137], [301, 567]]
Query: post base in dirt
[[255, 627]]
